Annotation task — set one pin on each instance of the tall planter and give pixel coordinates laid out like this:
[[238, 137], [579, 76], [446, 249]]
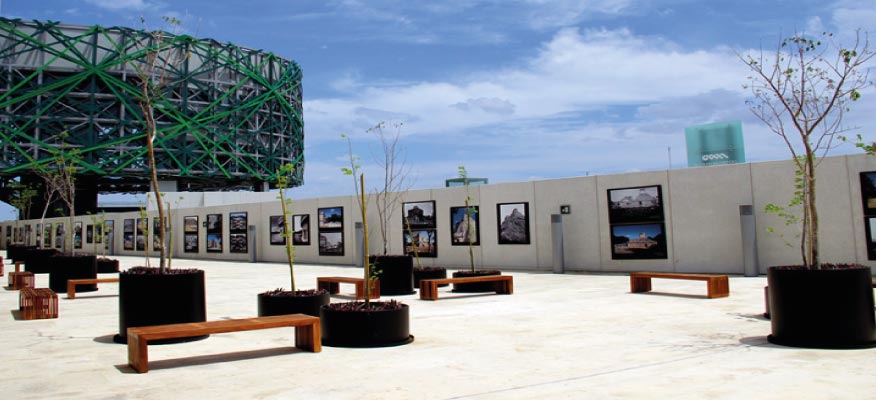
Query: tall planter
[[39, 261], [16, 252], [429, 273], [475, 287], [356, 328], [147, 298], [64, 268], [282, 303], [830, 308], [396, 274], [107, 265]]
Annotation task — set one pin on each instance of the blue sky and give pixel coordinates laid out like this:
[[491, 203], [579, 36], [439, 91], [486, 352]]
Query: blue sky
[[514, 90]]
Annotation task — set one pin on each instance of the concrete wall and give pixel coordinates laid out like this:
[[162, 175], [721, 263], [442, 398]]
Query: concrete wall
[[701, 215]]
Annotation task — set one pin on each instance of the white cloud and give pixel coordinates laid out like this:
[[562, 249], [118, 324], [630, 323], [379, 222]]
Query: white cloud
[[116, 5]]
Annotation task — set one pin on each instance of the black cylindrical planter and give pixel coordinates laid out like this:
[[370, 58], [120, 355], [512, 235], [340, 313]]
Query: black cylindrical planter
[[429, 273], [830, 309], [107, 265], [154, 299], [365, 328], [285, 304], [396, 274], [39, 261], [475, 287], [16, 252], [65, 268]]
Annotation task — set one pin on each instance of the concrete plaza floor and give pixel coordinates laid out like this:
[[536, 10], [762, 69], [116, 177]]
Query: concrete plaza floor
[[558, 336]]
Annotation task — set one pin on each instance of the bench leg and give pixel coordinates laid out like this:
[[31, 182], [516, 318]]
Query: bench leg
[[332, 287], [504, 287], [718, 287], [71, 290], [428, 290], [638, 285], [309, 337], [138, 353]]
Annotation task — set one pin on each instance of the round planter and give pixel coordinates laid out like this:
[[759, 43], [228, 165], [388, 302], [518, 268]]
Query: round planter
[[107, 266], [382, 328], [39, 261], [159, 299], [284, 304], [475, 287], [830, 309], [64, 268], [16, 252], [396, 274], [429, 273]]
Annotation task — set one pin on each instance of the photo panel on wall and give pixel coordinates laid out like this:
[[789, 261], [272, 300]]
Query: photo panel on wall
[[190, 234], [425, 241], [276, 227], [635, 205], [418, 215], [214, 233], [638, 241], [465, 226], [513, 223], [331, 243], [868, 192], [331, 231], [237, 239], [301, 229]]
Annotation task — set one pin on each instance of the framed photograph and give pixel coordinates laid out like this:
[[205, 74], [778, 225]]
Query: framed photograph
[[237, 243], [190, 244], [237, 222], [418, 215], [142, 231], [214, 224], [28, 231], [190, 224], [275, 224], [59, 235], [331, 218], [156, 237], [214, 242], [47, 235], [89, 234], [465, 226], [301, 230], [128, 226], [77, 235], [39, 233], [425, 241], [868, 192], [331, 243], [870, 227], [128, 238], [635, 205], [109, 226], [638, 242], [513, 223]]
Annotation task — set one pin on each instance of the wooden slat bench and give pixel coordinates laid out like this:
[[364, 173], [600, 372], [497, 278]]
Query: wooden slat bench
[[307, 333], [332, 283], [718, 285], [19, 280], [503, 284], [72, 283], [39, 303]]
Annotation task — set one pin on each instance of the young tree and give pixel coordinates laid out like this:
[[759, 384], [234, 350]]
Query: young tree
[[359, 185], [469, 217], [284, 177], [801, 91], [391, 159], [161, 58], [22, 199]]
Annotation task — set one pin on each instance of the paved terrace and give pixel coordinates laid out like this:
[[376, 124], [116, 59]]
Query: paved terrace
[[557, 336]]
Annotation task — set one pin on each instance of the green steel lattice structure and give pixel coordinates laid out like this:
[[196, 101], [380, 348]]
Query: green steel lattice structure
[[228, 117]]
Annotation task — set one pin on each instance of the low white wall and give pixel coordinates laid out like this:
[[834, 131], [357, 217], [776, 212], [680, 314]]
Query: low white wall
[[700, 206]]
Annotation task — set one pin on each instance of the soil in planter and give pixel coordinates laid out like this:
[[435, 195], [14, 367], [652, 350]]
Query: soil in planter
[[421, 273], [282, 302], [352, 324], [148, 298], [475, 287]]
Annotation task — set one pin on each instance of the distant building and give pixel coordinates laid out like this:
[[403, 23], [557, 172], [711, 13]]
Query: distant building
[[715, 144], [465, 181]]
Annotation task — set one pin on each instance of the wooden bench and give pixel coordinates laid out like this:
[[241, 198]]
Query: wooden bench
[[72, 283], [307, 333], [503, 284], [20, 280], [332, 283], [39, 303], [718, 285]]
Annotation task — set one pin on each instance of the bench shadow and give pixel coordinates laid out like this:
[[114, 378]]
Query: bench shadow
[[212, 359], [100, 296], [16, 314], [105, 339], [453, 295], [757, 341], [682, 295]]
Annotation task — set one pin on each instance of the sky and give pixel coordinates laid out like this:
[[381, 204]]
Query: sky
[[514, 90]]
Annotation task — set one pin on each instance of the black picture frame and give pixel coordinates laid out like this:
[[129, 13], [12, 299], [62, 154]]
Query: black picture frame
[[427, 242], [237, 222], [190, 243], [276, 230], [59, 235], [237, 234], [868, 192], [331, 218], [156, 236], [190, 224], [237, 243], [870, 228], [512, 222], [142, 233], [109, 227], [214, 223], [331, 243], [418, 215], [639, 241], [214, 242], [637, 204], [77, 235], [89, 234], [47, 237], [458, 226], [301, 229]]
